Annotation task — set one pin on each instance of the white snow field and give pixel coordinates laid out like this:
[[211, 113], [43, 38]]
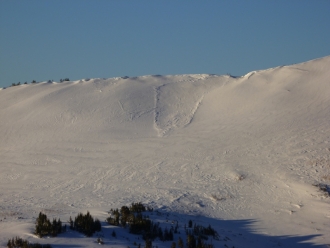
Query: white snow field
[[239, 153]]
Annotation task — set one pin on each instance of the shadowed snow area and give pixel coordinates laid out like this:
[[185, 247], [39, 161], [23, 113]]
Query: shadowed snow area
[[241, 150]]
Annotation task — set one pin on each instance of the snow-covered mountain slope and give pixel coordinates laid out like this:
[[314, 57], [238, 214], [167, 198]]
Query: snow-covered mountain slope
[[217, 146]]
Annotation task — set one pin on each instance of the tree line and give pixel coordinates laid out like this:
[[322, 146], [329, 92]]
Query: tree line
[[134, 217], [34, 81], [21, 243]]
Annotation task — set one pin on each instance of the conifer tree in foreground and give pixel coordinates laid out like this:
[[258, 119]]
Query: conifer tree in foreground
[[148, 243], [44, 227], [86, 224], [180, 243]]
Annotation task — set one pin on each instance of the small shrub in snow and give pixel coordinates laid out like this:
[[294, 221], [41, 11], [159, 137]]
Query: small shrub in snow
[[324, 188], [100, 241]]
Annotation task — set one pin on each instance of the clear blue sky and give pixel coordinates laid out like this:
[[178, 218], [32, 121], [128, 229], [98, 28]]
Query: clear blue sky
[[53, 39]]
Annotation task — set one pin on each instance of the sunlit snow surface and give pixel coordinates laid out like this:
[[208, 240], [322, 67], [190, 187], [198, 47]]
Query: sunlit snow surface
[[239, 153]]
